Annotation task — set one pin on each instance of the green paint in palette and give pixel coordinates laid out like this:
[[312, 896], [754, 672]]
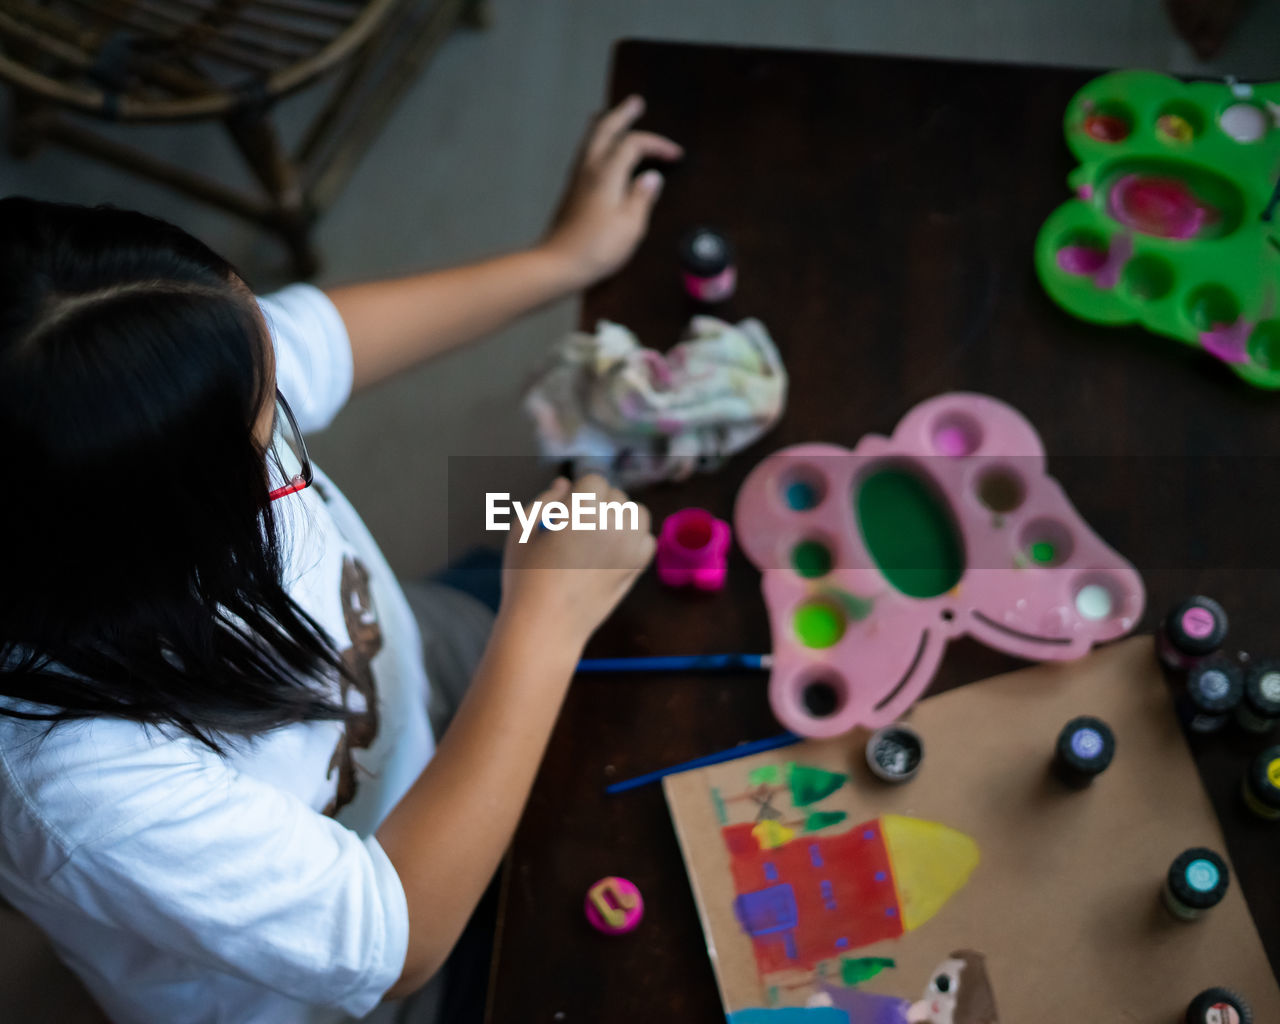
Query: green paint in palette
[[909, 533]]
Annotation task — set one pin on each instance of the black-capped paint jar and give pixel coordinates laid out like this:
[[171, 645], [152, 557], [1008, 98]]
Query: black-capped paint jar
[[1262, 785], [1196, 882], [1193, 629], [706, 265], [1259, 709], [1218, 1006], [1214, 689], [1084, 750]]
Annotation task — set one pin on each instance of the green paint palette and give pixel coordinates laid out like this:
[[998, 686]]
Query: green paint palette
[[1175, 220]]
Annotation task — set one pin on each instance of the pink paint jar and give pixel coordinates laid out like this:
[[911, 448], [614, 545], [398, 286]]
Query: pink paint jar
[[693, 550], [706, 264]]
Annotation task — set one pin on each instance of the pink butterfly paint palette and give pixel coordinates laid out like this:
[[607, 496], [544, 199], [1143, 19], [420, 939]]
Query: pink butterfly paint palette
[[873, 558]]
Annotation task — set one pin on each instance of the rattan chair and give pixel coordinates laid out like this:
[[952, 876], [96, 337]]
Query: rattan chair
[[148, 61]]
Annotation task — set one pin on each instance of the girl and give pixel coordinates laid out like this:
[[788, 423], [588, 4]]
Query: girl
[[204, 658]]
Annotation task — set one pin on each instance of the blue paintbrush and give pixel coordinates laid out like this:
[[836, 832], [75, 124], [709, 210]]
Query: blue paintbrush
[[679, 663], [732, 754]]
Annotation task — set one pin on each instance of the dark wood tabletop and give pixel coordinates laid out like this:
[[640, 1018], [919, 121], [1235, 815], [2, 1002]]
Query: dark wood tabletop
[[883, 211]]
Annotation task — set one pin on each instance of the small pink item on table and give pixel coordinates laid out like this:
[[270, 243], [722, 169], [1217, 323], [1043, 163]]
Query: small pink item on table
[[614, 906], [693, 550]]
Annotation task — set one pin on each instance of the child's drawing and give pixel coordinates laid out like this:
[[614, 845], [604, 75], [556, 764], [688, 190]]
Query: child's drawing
[[959, 992], [829, 897], [811, 888]]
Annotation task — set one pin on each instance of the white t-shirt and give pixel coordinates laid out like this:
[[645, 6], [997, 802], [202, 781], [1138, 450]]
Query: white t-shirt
[[181, 886]]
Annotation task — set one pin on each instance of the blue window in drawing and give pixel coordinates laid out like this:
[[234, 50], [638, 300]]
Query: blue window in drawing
[[766, 911], [828, 895], [770, 871]]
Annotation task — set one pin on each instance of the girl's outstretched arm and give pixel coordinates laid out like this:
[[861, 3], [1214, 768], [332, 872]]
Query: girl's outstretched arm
[[396, 323], [449, 832]]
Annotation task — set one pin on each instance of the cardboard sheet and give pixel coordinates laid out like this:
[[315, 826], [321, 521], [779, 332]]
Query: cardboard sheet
[[1064, 900]]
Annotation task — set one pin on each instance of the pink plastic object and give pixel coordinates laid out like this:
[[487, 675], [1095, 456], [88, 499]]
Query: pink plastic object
[[614, 906], [1030, 577], [693, 550]]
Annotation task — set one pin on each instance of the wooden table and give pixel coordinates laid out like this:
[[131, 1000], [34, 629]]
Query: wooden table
[[884, 212]]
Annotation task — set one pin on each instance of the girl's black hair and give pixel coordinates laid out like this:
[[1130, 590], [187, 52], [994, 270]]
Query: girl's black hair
[[141, 574]]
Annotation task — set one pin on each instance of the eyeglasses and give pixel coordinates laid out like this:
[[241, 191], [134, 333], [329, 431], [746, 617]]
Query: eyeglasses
[[289, 465]]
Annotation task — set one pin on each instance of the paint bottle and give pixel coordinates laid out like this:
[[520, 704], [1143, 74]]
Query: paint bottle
[[1196, 882], [894, 753], [1085, 748], [1214, 690], [706, 264], [1262, 785], [1259, 710], [1191, 631], [1218, 1006]]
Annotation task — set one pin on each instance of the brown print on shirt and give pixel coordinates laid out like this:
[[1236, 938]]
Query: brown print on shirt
[[366, 640]]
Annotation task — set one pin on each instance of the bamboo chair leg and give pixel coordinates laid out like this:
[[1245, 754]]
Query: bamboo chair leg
[[255, 136]]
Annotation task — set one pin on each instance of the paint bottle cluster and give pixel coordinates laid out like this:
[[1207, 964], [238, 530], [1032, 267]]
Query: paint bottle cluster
[[1195, 882], [1216, 690], [1212, 694]]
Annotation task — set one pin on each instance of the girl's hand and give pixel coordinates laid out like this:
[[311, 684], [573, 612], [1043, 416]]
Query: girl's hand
[[566, 582], [605, 211]]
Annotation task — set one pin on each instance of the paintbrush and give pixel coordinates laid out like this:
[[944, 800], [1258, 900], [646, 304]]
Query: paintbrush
[[786, 739], [680, 663]]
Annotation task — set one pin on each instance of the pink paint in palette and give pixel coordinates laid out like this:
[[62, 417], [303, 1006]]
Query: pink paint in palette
[[873, 558]]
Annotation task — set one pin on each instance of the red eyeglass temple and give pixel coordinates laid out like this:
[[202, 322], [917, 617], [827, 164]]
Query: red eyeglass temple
[[298, 483]]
